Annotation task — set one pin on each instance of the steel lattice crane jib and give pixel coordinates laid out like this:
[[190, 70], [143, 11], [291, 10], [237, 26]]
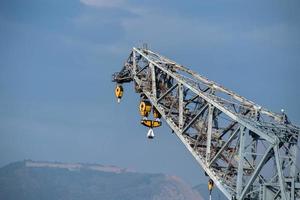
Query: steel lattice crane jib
[[248, 151]]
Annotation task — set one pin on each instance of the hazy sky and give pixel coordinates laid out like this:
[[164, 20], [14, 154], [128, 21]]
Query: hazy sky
[[57, 57]]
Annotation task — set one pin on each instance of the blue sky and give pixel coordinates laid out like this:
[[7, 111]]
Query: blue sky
[[57, 57]]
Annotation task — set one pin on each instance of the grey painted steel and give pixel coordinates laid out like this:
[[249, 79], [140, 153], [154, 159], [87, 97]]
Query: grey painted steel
[[154, 93], [180, 104], [209, 133], [280, 175], [195, 118], [225, 145], [256, 172], [170, 90], [239, 182]]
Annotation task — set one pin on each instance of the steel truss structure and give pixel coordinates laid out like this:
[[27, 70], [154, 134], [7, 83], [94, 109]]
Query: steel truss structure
[[248, 151]]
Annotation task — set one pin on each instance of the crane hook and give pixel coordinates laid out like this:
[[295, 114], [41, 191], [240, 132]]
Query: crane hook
[[119, 92], [210, 187], [150, 134]]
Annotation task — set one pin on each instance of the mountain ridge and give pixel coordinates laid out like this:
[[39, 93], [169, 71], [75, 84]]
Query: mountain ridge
[[77, 166], [36, 180]]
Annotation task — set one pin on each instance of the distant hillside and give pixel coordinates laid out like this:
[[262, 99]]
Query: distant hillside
[[30, 180], [203, 190]]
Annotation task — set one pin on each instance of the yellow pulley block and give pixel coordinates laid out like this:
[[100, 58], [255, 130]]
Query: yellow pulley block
[[210, 184], [145, 108], [151, 123], [119, 92], [156, 114]]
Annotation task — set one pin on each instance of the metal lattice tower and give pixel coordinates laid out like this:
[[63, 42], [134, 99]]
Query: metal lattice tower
[[248, 151]]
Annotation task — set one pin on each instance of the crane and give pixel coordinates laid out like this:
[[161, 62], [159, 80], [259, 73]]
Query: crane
[[248, 151]]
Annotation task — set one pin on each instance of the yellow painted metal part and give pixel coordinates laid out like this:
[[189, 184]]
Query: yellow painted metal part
[[119, 91], [151, 123], [145, 108], [210, 184], [156, 114]]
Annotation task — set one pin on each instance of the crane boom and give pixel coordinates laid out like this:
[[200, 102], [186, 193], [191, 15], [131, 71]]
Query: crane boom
[[248, 151]]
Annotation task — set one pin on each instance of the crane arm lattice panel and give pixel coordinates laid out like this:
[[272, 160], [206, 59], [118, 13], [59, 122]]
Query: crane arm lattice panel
[[248, 151]]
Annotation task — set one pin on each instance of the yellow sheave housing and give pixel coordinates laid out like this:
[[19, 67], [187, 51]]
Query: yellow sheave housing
[[156, 114], [119, 91], [210, 184], [151, 123], [145, 108]]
